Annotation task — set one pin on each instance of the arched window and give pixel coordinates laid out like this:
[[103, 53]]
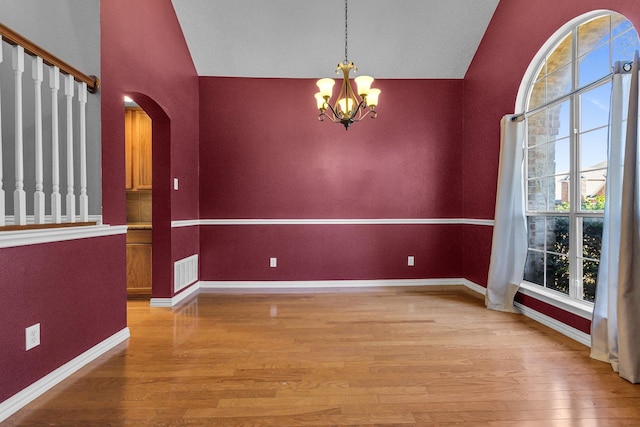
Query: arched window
[[567, 101]]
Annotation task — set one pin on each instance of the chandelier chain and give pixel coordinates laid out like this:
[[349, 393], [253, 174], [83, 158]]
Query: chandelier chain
[[346, 33]]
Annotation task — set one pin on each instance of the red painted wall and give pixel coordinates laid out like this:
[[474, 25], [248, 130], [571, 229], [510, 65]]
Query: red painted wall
[[144, 55], [265, 155], [517, 31], [330, 252], [73, 290]]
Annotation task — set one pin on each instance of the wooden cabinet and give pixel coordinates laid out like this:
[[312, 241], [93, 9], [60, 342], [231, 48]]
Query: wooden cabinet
[[139, 262], [138, 139]]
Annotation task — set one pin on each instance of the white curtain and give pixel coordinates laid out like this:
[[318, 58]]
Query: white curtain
[[509, 245], [615, 328]]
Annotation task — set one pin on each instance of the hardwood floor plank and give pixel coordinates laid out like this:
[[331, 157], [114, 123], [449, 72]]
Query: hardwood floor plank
[[394, 357]]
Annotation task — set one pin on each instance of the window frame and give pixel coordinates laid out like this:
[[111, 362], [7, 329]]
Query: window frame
[[573, 301]]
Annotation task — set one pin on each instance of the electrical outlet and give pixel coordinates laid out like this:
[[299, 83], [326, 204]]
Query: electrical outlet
[[410, 261], [175, 183], [32, 336], [273, 262]]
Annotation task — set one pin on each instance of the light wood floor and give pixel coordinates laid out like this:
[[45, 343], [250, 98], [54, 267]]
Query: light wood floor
[[381, 357]]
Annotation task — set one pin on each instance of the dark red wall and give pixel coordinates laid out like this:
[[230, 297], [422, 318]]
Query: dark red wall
[[75, 291], [517, 31], [330, 252], [264, 155], [144, 55]]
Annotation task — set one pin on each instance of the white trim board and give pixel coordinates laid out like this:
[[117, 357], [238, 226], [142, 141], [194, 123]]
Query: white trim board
[[15, 238], [302, 285], [554, 324], [176, 299], [331, 221], [10, 219], [27, 395], [555, 299]]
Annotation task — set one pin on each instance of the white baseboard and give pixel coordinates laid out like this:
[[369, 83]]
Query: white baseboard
[[474, 286], [176, 299], [323, 284], [554, 324], [27, 395]]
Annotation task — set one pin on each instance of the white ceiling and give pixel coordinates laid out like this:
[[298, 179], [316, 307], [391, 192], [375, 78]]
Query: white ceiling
[[305, 38]]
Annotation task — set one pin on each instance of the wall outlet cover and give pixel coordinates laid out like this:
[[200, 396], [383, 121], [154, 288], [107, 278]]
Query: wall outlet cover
[[32, 336]]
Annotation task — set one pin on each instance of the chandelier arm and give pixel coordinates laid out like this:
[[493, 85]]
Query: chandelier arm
[[335, 113], [334, 117], [356, 115], [361, 112]]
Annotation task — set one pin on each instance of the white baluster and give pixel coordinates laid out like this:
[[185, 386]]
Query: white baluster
[[38, 196], [19, 196], [56, 203], [84, 198], [71, 198], [2, 209]]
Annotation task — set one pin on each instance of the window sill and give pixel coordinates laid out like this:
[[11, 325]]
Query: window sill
[[558, 300]]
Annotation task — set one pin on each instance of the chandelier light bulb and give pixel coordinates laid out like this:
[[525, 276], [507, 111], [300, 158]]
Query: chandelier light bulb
[[320, 101], [372, 97], [346, 106], [364, 85], [326, 87]]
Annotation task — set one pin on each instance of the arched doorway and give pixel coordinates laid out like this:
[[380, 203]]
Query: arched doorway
[[138, 187], [150, 192]]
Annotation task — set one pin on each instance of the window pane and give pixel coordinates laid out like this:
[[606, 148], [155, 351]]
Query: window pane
[[536, 161], [592, 34], [589, 280], [548, 159], [624, 46], [593, 66], [592, 189], [559, 83], [594, 108], [558, 234], [534, 268], [558, 273], [619, 24], [538, 94], [563, 193], [561, 56], [536, 230], [537, 128], [559, 153], [593, 149], [592, 237], [541, 194], [558, 120]]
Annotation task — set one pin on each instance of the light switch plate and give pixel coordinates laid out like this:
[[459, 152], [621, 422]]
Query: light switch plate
[[175, 183]]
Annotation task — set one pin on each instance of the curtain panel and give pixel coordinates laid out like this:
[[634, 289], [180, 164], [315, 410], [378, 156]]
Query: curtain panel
[[615, 327], [509, 244]]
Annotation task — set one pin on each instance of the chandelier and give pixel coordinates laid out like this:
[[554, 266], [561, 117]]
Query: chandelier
[[350, 106]]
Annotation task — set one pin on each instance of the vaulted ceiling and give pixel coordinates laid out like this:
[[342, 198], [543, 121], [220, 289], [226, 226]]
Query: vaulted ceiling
[[305, 39]]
